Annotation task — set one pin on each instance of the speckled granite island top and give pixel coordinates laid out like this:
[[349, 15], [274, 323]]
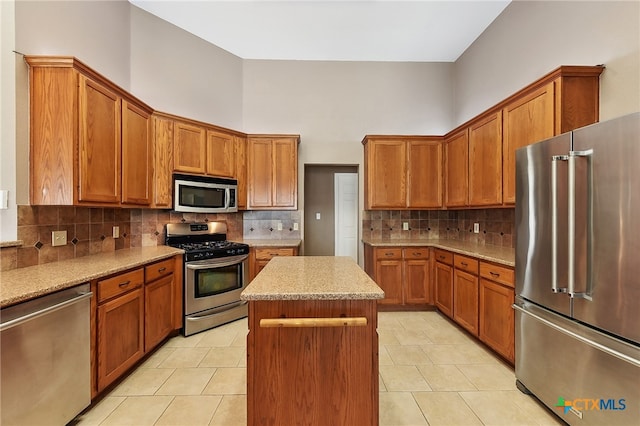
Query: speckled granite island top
[[312, 278], [19, 285], [503, 255]]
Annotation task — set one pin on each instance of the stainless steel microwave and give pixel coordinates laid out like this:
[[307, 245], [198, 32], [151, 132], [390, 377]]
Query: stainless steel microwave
[[204, 194]]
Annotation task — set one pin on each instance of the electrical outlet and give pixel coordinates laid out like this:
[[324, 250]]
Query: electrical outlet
[[279, 226], [295, 226], [405, 226], [476, 228], [317, 215], [116, 232], [58, 238]]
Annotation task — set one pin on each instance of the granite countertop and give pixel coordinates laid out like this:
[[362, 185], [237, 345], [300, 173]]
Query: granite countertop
[[312, 278], [502, 255], [269, 242], [19, 285]]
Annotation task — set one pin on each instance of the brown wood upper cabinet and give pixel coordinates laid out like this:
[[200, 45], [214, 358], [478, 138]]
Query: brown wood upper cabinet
[[272, 172], [162, 161], [403, 172], [89, 139], [189, 148], [564, 100], [485, 161], [221, 154], [456, 158]]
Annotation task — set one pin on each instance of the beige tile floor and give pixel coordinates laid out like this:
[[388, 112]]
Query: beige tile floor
[[431, 373]]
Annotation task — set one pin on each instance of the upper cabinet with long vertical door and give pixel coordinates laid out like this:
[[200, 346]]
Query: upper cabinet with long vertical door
[[162, 161], [84, 131], [403, 172], [272, 172], [478, 169]]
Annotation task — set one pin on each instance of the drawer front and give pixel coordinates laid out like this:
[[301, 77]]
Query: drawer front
[[119, 284], [388, 253], [465, 264], [269, 253], [500, 274], [416, 253], [158, 269], [444, 256]]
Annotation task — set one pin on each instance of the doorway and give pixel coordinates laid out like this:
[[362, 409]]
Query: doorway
[[331, 210]]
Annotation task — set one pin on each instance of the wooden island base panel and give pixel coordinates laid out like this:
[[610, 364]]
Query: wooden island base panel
[[312, 347]]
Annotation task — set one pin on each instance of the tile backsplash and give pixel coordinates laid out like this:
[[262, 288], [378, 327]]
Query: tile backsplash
[[90, 231], [497, 226], [264, 224]]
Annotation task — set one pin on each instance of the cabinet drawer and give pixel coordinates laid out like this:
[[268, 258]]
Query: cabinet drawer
[[269, 253], [119, 284], [444, 256], [499, 274], [159, 269], [416, 253], [389, 253], [465, 264]]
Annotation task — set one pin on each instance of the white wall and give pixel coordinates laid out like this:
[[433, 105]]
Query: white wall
[[174, 71], [8, 217], [333, 105], [531, 38]]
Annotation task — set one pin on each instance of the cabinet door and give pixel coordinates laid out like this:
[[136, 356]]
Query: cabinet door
[[465, 300], [456, 158], [497, 318], [259, 172], [389, 278], [525, 121], [240, 144], [285, 173], [444, 289], [137, 155], [424, 175], [99, 144], [220, 154], [158, 314], [162, 162], [189, 148], [416, 275], [485, 161], [386, 173], [120, 336]]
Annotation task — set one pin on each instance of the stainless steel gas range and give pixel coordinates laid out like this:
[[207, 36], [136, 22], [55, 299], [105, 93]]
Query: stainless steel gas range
[[215, 273]]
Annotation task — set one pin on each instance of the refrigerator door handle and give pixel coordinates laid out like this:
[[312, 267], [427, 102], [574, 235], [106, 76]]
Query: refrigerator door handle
[[571, 220], [554, 223]]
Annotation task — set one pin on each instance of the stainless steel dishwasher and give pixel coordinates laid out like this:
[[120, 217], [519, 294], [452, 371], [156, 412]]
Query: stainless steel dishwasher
[[45, 356]]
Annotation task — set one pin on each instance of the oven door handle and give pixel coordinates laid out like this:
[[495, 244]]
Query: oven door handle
[[215, 263]]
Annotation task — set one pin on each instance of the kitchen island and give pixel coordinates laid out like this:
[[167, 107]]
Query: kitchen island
[[312, 347]]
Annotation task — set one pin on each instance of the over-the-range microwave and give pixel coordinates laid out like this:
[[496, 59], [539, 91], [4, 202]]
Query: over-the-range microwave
[[204, 194]]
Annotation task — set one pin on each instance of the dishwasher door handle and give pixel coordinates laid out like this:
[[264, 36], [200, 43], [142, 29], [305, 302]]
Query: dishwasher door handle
[[30, 316]]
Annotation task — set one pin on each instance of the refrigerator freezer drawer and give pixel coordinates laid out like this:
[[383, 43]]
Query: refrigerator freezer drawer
[[593, 377]]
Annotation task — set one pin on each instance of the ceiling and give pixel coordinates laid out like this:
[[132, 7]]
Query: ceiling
[[334, 30]]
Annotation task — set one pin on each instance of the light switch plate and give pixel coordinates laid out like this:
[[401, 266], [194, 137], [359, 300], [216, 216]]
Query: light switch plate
[[279, 226], [58, 238], [295, 226], [317, 215], [4, 199]]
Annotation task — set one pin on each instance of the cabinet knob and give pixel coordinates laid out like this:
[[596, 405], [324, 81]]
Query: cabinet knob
[[161, 270], [124, 284], [388, 254], [417, 253], [494, 274], [465, 264]]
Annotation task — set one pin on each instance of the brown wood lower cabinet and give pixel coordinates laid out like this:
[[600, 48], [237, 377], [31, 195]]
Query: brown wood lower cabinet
[[444, 282], [402, 272], [120, 325], [312, 375], [465, 292], [260, 256], [497, 322], [158, 303], [132, 313]]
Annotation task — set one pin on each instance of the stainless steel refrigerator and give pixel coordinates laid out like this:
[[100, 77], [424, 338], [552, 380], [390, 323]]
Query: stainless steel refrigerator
[[578, 273]]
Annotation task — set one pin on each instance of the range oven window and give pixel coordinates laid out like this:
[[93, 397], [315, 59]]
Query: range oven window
[[194, 196], [209, 282]]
